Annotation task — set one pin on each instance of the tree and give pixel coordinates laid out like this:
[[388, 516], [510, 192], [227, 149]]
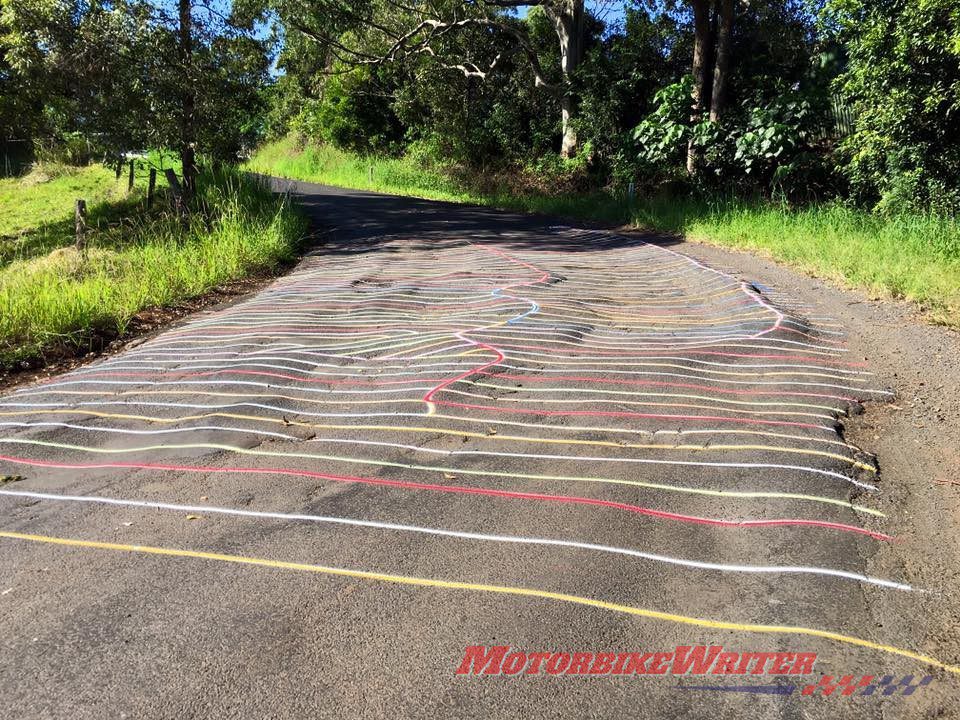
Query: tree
[[81, 64], [133, 74], [567, 17], [188, 96], [903, 80], [712, 43], [721, 66], [767, 123], [624, 67], [21, 105], [376, 32]]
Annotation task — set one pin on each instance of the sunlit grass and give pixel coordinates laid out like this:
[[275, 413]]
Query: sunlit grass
[[47, 194], [66, 297], [396, 176], [913, 257], [37, 209]]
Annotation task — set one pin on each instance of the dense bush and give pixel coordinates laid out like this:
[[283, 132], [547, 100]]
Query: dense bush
[[353, 113], [769, 147], [903, 76]]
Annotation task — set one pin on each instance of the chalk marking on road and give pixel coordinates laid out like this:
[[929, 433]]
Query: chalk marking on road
[[683, 447], [408, 485], [512, 539], [498, 589], [431, 468]]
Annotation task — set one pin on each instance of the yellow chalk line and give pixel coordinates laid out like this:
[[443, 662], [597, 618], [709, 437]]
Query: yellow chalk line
[[482, 587]]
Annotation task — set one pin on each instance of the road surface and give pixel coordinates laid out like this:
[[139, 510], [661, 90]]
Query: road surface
[[451, 427]]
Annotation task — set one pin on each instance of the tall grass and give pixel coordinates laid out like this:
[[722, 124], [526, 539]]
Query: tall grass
[[68, 297], [916, 257]]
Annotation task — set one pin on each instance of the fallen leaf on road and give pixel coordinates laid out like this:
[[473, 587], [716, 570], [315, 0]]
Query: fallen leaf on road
[[194, 517]]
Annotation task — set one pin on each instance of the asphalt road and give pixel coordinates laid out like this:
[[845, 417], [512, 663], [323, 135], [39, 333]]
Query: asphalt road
[[451, 427]]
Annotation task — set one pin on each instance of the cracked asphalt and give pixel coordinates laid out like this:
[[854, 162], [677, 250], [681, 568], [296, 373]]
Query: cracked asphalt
[[308, 503]]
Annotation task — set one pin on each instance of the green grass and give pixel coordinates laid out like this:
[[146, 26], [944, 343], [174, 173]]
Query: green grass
[[37, 209], [47, 194], [913, 257], [65, 298], [396, 176]]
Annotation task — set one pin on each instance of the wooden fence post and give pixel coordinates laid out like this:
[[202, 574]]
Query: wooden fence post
[[130, 178], [80, 223], [176, 193], [151, 187]]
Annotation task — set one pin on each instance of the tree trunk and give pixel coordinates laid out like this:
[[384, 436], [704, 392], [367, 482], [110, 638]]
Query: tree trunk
[[568, 21], [569, 145], [721, 66], [701, 51], [188, 139]]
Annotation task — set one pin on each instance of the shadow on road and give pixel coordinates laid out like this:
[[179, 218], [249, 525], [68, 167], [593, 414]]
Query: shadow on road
[[363, 221]]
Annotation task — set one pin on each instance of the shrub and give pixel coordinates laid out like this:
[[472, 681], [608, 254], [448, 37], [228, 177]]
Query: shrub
[[903, 77]]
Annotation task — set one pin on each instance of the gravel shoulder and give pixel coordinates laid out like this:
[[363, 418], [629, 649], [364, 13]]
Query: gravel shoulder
[[915, 437]]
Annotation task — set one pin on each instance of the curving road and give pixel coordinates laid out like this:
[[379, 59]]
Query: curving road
[[451, 427]]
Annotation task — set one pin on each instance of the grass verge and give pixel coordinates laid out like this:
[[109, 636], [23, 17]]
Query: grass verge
[[60, 301], [48, 192], [912, 257], [36, 209]]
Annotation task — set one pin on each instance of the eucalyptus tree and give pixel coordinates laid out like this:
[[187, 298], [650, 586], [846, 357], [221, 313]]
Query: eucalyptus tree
[[377, 32]]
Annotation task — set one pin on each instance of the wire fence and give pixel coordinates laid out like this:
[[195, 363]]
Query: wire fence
[[840, 120], [16, 154], [842, 115]]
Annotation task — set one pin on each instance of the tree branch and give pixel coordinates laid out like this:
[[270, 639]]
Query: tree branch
[[421, 39]]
